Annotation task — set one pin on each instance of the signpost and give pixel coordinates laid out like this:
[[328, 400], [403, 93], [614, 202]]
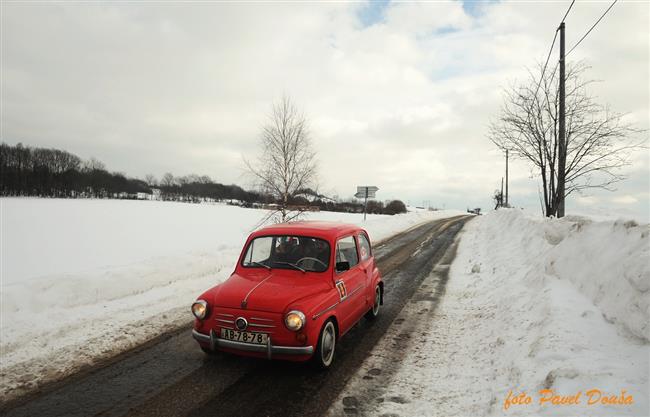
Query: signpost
[[366, 192]]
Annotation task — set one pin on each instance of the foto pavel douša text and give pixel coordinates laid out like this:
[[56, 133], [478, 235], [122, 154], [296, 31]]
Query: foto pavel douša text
[[550, 397]]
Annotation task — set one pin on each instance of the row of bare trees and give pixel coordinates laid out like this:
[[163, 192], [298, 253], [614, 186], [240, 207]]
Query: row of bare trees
[[599, 141], [44, 172], [285, 174], [195, 188]]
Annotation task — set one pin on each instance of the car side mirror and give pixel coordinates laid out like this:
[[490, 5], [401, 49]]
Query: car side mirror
[[342, 266]]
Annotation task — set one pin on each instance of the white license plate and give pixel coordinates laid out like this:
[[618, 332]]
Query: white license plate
[[244, 337]]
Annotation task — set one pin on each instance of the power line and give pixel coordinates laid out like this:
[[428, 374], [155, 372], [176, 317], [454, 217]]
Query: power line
[[568, 10], [551, 50], [539, 83], [585, 35], [577, 43], [591, 28]]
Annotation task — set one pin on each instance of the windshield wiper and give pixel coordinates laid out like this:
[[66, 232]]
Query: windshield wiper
[[290, 264], [261, 264]]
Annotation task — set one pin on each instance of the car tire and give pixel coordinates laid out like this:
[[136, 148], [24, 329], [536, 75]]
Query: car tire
[[374, 311], [326, 349]]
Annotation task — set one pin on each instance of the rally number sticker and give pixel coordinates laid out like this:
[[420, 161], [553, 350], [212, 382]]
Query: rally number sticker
[[343, 292]]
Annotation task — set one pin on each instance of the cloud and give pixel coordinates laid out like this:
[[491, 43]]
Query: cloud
[[398, 95], [625, 199]]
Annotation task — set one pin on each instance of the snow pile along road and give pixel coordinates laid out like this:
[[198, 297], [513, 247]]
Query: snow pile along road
[[540, 317], [86, 279]]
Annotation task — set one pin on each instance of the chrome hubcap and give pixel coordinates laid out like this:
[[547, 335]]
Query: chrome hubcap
[[328, 343]]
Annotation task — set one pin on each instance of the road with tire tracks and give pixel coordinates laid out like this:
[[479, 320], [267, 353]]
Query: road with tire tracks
[[171, 376]]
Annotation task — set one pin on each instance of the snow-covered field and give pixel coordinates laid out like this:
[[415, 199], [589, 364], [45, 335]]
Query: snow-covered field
[[85, 279], [531, 304]]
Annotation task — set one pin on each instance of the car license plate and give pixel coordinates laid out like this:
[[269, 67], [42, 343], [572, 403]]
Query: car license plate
[[245, 337]]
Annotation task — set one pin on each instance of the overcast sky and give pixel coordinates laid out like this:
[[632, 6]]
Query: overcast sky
[[398, 95]]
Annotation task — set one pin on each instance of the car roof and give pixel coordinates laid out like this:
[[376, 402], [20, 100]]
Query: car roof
[[322, 229]]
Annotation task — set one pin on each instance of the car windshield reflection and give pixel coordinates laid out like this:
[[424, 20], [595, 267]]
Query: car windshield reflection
[[302, 253]]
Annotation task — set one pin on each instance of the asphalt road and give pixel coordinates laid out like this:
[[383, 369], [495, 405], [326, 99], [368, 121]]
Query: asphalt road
[[171, 376]]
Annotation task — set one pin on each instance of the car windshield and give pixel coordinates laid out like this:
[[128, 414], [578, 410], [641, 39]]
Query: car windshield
[[288, 252]]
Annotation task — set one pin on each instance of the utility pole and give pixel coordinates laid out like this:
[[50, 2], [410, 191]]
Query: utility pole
[[506, 179], [365, 205], [501, 199], [562, 132]]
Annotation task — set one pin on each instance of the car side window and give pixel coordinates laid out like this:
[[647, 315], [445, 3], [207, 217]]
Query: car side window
[[346, 251], [364, 247]]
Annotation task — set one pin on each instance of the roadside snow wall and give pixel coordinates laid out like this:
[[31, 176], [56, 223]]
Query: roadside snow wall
[[607, 261]]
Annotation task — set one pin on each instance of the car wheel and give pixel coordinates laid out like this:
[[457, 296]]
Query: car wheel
[[326, 349], [374, 311]]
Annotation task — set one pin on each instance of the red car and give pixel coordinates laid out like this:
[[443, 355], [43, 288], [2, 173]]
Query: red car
[[297, 288]]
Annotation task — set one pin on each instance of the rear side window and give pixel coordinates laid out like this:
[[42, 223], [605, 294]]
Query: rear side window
[[346, 251], [364, 247]]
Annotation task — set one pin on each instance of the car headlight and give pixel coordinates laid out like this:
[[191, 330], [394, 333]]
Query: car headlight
[[294, 320], [200, 309]]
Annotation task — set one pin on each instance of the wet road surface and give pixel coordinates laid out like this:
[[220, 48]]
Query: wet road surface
[[171, 375]]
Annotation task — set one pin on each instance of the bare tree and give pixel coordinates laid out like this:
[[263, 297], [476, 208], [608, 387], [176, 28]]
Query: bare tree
[[93, 165], [167, 180], [598, 141], [287, 164], [151, 180], [182, 181], [192, 178]]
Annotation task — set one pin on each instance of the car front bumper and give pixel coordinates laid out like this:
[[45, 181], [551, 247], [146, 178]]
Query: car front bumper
[[270, 350]]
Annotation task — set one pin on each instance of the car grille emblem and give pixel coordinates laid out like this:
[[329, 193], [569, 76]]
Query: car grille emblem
[[241, 323]]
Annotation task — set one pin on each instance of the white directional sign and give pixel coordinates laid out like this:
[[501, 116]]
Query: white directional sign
[[366, 191]]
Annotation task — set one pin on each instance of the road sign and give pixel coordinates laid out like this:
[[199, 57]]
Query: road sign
[[366, 192]]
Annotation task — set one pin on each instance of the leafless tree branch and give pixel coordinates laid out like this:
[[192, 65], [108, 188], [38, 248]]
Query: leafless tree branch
[[287, 164], [599, 142]]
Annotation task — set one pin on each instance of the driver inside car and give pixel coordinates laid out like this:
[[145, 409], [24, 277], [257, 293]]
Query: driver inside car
[[314, 255], [285, 250]]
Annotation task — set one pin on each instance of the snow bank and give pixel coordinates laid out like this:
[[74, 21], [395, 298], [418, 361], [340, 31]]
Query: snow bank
[[83, 279], [569, 305], [531, 304], [608, 262]]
